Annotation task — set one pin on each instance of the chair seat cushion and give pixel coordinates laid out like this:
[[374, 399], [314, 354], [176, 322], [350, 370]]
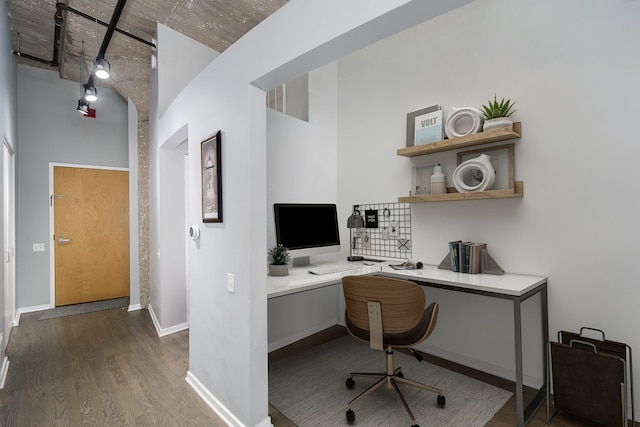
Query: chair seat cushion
[[405, 339]]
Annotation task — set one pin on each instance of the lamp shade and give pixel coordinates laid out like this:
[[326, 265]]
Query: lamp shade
[[90, 93], [102, 68], [83, 107], [355, 220]]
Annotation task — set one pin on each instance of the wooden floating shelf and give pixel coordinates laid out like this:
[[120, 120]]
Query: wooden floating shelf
[[479, 138], [452, 194]]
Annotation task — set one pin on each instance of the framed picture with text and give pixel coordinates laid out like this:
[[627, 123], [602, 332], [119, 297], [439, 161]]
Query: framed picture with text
[[210, 162], [422, 179], [424, 126]]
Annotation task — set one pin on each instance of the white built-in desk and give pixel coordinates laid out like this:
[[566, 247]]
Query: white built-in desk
[[514, 287], [300, 280]]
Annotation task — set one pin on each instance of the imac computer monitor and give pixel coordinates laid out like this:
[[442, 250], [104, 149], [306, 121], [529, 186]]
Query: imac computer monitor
[[307, 229]]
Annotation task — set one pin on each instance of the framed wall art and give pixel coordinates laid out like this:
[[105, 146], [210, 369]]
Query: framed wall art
[[210, 162], [424, 126], [422, 179], [502, 159]]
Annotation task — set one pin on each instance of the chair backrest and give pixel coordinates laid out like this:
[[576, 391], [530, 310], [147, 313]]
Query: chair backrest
[[402, 304]]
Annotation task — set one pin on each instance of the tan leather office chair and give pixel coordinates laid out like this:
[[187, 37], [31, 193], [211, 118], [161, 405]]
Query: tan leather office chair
[[387, 313]]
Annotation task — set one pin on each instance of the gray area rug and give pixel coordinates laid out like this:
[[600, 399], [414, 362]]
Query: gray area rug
[[309, 388], [70, 310]]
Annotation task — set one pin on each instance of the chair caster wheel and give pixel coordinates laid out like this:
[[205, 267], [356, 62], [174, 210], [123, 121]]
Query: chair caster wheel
[[351, 416], [441, 401], [415, 425], [350, 383], [400, 374]]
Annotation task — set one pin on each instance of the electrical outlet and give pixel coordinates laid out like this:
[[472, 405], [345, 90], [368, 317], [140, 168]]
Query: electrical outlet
[[38, 247], [231, 283]]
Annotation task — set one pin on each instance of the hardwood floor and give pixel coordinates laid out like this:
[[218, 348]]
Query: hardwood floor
[[107, 368]]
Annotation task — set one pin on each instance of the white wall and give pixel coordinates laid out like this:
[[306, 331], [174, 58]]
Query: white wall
[[51, 130], [302, 156], [228, 332], [302, 167], [8, 132], [179, 60], [571, 69], [134, 229]]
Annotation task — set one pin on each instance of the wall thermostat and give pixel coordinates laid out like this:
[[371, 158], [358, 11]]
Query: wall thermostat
[[194, 232]]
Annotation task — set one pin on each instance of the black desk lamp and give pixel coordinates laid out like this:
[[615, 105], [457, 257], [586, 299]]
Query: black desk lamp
[[354, 221]]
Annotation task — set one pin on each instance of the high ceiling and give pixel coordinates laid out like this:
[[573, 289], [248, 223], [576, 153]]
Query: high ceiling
[[214, 23]]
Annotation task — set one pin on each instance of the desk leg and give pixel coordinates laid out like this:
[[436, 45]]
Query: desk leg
[[544, 312], [517, 323], [524, 415]]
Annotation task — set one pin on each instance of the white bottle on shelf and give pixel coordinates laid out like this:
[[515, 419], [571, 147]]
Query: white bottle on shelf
[[438, 181]]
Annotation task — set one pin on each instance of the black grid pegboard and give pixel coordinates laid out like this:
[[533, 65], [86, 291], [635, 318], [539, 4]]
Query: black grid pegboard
[[392, 237]]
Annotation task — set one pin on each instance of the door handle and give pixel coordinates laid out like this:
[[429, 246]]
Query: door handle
[[63, 240]]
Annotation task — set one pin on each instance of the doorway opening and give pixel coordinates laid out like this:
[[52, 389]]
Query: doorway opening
[[170, 239]]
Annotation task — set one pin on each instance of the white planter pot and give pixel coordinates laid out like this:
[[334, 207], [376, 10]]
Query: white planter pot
[[498, 122], [278, 270]]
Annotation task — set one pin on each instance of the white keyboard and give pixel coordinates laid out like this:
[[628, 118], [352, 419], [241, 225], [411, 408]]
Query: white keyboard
[[334, 268]]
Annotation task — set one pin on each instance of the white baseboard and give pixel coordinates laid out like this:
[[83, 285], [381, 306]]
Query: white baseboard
[[31, 309], [166, 331], [217, 406], [134, 307], [300, 335], [3, 371]]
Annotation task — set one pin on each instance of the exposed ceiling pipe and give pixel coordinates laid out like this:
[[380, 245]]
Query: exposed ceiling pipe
[[104, 24], [111, 28], [59, 19], [90, 87], [56, 43], [33, 58]]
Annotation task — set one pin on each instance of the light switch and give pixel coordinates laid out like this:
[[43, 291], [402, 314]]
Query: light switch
[[231, 283], [38, 247]]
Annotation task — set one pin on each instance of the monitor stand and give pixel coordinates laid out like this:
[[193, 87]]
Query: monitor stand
[[301, 261]]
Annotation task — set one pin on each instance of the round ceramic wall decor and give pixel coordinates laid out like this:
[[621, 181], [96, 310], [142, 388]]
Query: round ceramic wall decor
[[463, 121], [475, 174]]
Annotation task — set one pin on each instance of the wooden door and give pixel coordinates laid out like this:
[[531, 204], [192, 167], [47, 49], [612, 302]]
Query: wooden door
[[91, 240]]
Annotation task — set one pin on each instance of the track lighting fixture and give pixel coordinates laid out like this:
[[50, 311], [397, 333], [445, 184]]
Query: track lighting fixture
[[90, 92], [83, 107], [101, 67]]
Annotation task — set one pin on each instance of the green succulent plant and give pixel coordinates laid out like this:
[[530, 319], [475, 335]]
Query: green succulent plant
[[278, 255], [495, 109]]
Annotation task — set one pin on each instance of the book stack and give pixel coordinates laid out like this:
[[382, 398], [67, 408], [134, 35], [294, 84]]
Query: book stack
[[466, 257]]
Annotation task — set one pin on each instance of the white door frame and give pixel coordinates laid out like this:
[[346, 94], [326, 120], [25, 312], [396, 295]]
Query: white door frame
[[9, 208]]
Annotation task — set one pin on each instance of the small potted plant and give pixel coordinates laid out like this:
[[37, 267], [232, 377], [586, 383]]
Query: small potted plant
[[278, 261], [497, 114]]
